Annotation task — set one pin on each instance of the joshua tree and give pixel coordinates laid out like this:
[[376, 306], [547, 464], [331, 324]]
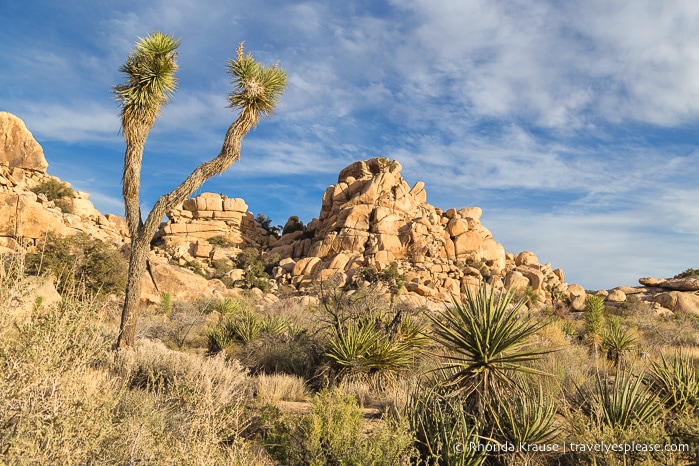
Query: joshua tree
[[150, 71]]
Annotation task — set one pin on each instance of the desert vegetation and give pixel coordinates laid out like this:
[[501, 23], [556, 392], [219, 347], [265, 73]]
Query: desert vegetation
[[349, 377]]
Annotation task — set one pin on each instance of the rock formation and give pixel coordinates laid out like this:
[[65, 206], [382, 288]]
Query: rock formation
[[371, 219], [26, 216]]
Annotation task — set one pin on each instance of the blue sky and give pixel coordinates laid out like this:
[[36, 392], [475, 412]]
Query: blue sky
[[572, 124]]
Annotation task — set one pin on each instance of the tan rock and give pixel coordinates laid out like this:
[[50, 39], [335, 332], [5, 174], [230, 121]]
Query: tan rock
[[577, 295], [678, 301], [235, 205], [184, 284], [526, 258], [306, 266], [339, 262], [616, 296], [649, 281], [17, 145], [535, 277], [473, 213], [457, 226], [516, 280], [23, 216], [681, 284]]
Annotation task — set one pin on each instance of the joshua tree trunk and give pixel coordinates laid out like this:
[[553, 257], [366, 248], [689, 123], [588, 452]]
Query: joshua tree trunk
[[150, 71], [140, 242]]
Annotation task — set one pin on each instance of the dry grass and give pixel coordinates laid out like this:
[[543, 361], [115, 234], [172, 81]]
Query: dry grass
[[270, 389], [66, 398]]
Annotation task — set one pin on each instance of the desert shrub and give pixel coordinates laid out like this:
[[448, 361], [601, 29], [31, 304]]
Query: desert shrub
[[79, 259], [54, 189], [332, 434], [221, 268], [256, 267], [195, 267], [220, 240], [688, 273], [58, 192], [389, 277]]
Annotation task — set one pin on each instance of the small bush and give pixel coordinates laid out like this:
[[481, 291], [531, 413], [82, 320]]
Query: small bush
[[220, 240], [332, 434], [279, 387], [688, 273], [54, 190], [79, 258]]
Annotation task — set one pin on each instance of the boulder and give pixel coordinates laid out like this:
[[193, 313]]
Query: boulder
[[184, 284], [526, 258], [616, 296], [678, 301], [577, 296], [681, 284], [17, 145]]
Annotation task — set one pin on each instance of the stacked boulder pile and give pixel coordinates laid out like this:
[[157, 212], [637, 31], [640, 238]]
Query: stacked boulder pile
[[373, 218], [185, 236], [25, 215]]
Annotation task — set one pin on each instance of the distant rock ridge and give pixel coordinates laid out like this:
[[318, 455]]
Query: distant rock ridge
[[370, 219]]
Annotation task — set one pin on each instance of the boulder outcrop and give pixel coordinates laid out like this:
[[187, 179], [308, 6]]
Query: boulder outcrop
[[373, 218]]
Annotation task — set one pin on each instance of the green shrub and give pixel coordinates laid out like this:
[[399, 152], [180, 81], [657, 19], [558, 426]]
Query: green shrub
[[165, 302], [332, 435], [688, 273], [54, 190], [256, 267], [79, 258], [677, 382], [220, 240]]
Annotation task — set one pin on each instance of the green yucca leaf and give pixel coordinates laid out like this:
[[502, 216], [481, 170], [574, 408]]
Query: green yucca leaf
[[677, 382], [487, 342], [527, 419], [257, 87], [150, 77], [621, 401]]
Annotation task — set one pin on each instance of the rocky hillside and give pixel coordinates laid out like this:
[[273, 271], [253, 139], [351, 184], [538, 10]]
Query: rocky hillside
[[371, 221]]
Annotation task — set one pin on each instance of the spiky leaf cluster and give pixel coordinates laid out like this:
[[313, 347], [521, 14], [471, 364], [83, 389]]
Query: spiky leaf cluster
[[150, 76], [487, 342], [257, 87]]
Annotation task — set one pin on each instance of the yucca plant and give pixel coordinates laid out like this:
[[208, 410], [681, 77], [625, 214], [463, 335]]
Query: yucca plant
[[444, 430], [487, 344], [621, 401], [246, 327], [361, 349], [677, 382], [594, 320], [618, 341], [526, 418]]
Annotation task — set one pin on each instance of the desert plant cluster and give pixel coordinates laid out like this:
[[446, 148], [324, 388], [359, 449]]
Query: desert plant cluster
[[347, 378]]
